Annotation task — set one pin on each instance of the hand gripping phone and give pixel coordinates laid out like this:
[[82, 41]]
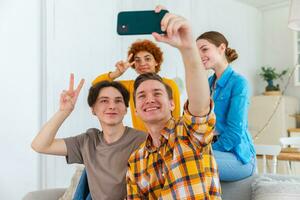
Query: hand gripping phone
[[139, 22]]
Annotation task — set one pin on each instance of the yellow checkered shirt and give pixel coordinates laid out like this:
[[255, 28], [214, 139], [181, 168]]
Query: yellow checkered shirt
[[183, 167]]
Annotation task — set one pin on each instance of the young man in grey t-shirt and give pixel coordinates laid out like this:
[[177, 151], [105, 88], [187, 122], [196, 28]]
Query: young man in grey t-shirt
[[104, 153]]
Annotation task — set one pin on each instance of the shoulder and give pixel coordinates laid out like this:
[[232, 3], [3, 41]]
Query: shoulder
[[90, 133], [237, 78], [126, 81], [169, 81], [172, 84], [138, 154], [238, 82], [136, 134]]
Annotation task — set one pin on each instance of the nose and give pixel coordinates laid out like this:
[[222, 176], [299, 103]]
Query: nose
[[149, 99], [142, 62], [112, 105]]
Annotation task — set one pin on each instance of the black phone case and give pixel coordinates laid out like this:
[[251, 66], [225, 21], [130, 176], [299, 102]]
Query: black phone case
[[139, 22]]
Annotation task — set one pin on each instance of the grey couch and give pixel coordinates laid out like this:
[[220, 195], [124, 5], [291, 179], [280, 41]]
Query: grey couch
[[238, 190]]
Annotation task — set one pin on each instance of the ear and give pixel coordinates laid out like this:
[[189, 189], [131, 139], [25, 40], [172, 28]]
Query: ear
[[93, 112], [222, 48]]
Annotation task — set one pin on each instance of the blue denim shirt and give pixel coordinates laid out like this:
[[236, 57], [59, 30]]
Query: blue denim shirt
[[231, 98]]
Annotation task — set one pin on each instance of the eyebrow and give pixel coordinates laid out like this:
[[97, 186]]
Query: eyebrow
[[144, 56], [157, 89], [203, 46], [153, 90], [106, 97]]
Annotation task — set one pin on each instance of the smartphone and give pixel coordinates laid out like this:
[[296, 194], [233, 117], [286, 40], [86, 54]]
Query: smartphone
[[139, 22]]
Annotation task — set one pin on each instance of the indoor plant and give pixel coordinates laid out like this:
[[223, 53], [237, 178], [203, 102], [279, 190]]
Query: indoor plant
[[269, 74]]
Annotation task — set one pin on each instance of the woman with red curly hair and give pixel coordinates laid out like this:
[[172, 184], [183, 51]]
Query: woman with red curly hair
[[144, 56]]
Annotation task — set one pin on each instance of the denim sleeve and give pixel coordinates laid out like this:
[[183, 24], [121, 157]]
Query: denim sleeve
[[236, 121]]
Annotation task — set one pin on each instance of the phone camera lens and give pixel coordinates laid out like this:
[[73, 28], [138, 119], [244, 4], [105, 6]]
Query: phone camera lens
[[123, 28]]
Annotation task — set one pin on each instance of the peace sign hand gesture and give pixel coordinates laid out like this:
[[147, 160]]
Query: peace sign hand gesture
[[121, 67], [69, 97]]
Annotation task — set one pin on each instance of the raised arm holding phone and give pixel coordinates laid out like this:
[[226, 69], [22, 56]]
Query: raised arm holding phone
[[176, 161]]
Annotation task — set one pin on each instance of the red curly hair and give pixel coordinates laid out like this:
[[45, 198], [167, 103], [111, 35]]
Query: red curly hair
[[149, 46]]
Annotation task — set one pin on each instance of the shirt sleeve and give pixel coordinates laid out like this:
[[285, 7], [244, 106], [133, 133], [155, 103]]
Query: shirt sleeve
[[132, 187], [237, 118], [101, 77], [200, 129], [74, 146], [128, 84]]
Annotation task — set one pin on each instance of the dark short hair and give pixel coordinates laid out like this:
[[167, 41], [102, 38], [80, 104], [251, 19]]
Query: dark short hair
[[150, 76], [95, 90]]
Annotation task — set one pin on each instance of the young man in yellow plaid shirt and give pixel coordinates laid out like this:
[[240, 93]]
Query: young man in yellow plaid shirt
[[176, 161]]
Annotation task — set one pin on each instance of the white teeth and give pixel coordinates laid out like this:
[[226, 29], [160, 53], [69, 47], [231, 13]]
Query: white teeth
[[149, 109]]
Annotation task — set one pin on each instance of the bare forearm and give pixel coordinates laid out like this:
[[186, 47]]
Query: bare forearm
[[113, 75], [44, 141], [196, 82]]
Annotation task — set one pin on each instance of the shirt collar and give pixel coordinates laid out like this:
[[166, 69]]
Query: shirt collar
[[225, 76], [165, 135]]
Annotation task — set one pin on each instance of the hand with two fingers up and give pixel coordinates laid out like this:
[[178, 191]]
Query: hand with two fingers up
[[121, 67], [69, 97]]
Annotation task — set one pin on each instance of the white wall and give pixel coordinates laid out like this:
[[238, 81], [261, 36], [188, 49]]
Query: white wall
[[20, 95], [278, 45]]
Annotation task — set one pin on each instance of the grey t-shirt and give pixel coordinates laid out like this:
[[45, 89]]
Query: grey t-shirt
[[106, 164]]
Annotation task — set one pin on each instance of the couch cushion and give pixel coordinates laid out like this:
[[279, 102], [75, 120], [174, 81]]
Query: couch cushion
[[69, 193], [276, 187], [237, 190], [48, 194]]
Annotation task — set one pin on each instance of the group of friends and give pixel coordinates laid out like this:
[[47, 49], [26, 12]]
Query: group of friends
[[166, 155]]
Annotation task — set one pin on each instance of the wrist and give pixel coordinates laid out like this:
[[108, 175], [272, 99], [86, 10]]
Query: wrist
[[188, 50], [64, 113], [113, 75]]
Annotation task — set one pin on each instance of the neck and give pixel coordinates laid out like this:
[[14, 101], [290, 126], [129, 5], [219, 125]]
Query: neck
[[154, 130], [220, 68], [112, 133]]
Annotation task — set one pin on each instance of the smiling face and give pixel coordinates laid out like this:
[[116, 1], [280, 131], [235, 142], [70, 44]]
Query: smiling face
[[153, 104], [109, 107], [144, 62], [210, 54]]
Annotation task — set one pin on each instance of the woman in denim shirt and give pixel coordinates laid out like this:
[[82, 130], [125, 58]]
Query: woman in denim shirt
[[233, 146]]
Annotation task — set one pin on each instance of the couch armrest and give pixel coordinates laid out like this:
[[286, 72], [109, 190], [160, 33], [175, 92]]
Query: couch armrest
[[48, 194]]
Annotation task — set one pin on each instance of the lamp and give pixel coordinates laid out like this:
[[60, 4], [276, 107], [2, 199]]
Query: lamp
[[294, 17]]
